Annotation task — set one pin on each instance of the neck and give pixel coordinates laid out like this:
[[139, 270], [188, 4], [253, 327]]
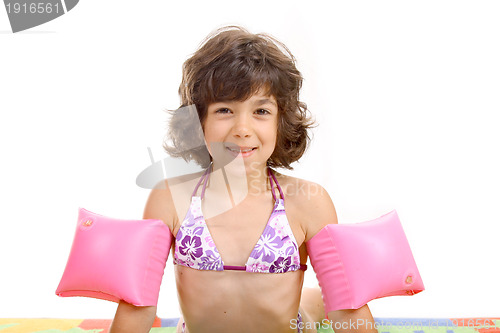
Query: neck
[[240, 179]]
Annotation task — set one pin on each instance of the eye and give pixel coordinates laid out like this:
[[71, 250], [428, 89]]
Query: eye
[[223, 111], [262, 112]]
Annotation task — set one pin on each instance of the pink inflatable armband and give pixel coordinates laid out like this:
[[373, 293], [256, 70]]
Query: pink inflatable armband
[[115, 260], [356, 263]]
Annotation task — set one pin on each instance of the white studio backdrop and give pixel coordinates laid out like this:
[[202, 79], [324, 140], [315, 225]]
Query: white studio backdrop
[[405, 94]]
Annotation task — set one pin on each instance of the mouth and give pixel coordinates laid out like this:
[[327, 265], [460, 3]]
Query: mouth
[[245, 151]]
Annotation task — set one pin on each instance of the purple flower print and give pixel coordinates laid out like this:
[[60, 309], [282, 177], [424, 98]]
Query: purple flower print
[[258, 268], [179, 261], [189, 220], [290, 249], [209, 241], [211, 262], [266, 246], [281, 265], [191, 246], [198, 230]]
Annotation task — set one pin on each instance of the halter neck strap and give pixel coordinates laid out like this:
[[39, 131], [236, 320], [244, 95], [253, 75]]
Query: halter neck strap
[[272, 179], [204, 179]]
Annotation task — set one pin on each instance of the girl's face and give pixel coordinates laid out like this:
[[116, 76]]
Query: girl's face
[[245, 129]]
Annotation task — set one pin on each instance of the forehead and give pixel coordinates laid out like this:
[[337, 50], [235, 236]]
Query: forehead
[[259, 98], [262, 98]]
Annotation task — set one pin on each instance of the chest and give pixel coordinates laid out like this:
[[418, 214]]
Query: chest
[[253, 228], [236, 231]]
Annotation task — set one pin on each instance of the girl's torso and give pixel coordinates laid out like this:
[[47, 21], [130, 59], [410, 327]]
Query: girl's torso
[[226, 300]]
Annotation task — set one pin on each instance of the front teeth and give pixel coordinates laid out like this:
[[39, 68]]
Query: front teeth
[[238, 150]]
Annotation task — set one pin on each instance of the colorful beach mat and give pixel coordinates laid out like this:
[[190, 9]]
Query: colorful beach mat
[[383, 325]]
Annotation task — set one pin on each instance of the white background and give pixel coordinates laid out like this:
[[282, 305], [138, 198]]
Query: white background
[[405, 94]]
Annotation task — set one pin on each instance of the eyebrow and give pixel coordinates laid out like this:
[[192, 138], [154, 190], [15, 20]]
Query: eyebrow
[[265, 101]]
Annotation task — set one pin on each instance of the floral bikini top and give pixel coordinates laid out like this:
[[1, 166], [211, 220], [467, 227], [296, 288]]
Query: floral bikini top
[[276, 250]]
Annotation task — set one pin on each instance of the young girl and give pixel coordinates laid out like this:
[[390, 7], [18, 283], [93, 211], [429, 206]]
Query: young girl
[[239, 267]]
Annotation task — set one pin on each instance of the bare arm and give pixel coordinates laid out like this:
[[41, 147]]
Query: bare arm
[[138, 319], [321, 212], [133, 319], [359, 320]]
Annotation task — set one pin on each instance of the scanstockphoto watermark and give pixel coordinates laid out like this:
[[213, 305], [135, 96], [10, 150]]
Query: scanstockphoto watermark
[[408, 324], [330, 324], [293, 187], [25, 14]]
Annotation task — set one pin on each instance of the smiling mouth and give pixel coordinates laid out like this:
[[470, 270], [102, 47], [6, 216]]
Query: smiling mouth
[[240, 149]]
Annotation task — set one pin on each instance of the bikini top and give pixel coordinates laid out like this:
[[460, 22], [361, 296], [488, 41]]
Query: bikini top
[[276, 250]]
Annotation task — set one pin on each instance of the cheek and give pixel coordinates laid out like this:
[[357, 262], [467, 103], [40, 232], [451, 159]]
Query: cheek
[[276, 131], [208, 129], [214, 138], [212, 133], [273, 138]]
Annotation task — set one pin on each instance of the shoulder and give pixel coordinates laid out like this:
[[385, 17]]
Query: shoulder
[[159, 204], [170, 199], [309, 202]]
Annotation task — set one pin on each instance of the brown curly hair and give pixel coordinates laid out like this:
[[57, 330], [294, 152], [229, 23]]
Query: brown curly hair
[[233, 64]]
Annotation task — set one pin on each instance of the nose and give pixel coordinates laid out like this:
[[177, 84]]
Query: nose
[[242, 127]]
